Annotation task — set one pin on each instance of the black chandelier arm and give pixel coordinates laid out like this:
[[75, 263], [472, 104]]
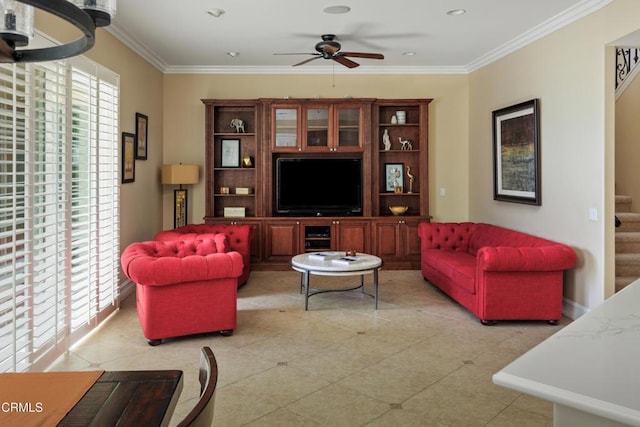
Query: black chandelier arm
[[66, 10]]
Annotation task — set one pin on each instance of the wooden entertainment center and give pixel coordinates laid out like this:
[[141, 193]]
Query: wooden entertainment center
[[243, 176]]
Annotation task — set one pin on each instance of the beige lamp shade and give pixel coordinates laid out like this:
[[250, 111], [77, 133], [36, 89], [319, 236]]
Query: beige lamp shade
[[179, 174]]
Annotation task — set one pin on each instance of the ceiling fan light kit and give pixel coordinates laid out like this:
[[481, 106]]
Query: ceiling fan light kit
[[16, 27]]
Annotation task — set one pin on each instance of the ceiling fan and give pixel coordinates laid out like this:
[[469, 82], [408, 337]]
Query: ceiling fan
[[329, 48]]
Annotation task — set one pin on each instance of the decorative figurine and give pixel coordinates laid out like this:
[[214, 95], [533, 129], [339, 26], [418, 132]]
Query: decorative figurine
[[405, 145], [394, 120], [397, 188], [386, 141], [238, 125], [247, 162], [410, 176]]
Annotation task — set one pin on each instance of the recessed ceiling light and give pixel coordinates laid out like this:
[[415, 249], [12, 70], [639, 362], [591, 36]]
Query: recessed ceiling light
[[233, 54], [336, 10], [408, 53], [216, 13], [455, 12]]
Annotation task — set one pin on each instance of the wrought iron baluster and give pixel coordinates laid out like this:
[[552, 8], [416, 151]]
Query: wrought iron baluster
[[626, 60]]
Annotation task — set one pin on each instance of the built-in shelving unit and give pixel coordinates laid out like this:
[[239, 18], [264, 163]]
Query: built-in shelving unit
[[352, 127]]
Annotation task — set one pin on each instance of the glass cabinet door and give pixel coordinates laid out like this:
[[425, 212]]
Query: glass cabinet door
[[286, 127], [348, 127], [317, 131]]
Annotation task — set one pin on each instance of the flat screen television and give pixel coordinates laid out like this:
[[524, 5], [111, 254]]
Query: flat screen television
[[318, 186]]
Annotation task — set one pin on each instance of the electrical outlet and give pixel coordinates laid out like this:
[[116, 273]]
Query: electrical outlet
[[443, 191], [593, 214]]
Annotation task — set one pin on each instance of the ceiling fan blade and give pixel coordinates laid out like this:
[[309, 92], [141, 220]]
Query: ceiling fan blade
[[363, 55], [345, 61], [307, 60]]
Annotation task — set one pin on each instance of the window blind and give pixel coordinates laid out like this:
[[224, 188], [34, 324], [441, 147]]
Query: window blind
[[59, 202]]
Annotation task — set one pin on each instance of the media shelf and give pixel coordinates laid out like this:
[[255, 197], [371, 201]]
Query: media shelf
[[317, 238]]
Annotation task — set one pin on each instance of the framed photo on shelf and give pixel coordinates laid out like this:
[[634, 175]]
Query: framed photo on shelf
[[516, 154], [230, 153], [128, 157], [394, 177], [142, 128]]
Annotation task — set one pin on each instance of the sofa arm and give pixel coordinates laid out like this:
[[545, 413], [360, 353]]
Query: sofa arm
[[541, 258], [445, 235]]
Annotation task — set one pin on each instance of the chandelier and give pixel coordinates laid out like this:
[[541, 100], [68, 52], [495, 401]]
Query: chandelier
[[16, 27]]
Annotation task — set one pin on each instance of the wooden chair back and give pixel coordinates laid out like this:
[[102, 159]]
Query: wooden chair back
[[202, 414]]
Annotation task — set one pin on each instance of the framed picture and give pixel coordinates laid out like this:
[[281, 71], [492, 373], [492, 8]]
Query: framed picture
[[230, 153], [142, 128], [128, 157], [394, 177], [516, 154], [179, 208]]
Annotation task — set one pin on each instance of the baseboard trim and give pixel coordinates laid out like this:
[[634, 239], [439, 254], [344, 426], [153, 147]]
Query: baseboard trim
[[127, 288], [572, 309]]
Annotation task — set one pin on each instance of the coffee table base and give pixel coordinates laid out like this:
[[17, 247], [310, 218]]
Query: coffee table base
[[308, 291]]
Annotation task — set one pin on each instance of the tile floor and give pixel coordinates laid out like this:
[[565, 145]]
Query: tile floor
[[419, 360]]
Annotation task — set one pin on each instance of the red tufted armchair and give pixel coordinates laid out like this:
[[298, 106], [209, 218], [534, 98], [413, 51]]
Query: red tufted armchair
[[239, 239], [184, 288]]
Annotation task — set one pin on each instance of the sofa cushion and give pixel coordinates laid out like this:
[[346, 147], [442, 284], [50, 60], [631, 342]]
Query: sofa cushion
[[460, 267]]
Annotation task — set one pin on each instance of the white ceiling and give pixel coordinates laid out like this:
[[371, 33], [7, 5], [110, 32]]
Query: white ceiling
[[183, 37]]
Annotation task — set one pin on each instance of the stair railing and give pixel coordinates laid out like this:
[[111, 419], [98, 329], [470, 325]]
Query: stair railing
[[626, 61]]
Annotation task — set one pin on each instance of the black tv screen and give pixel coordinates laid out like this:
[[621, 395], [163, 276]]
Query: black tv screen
[[319, 186]]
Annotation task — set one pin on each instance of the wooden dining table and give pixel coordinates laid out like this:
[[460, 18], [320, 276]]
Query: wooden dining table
[[128, 398], [96, 398]]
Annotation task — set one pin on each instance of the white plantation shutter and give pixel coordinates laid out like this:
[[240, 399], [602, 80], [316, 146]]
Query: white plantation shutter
[[59, 202]]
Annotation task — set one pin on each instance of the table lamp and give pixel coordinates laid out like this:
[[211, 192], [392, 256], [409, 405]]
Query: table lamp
[[179, 175]]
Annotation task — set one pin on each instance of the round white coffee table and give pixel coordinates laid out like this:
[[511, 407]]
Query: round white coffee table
[[363, 264]]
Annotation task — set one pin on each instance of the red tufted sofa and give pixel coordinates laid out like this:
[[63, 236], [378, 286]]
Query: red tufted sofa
[[494, 272], [184, 288], [239, 239]]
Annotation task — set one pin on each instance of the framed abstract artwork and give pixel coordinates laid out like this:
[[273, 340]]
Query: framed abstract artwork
[[516, 154]]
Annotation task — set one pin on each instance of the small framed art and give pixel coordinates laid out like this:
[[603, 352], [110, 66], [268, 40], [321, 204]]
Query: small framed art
[[128, 157], [230, 153], [516, 154], [394, 177], [142, 128]]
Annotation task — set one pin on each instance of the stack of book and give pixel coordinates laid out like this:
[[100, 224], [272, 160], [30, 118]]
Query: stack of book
[[325, 256]]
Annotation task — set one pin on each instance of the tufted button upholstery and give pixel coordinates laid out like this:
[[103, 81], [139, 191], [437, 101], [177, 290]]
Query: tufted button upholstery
[[155, 263], [238, 239]]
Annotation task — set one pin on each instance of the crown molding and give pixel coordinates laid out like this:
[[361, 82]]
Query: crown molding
[[146, 54], [313, 70], [563, 19]]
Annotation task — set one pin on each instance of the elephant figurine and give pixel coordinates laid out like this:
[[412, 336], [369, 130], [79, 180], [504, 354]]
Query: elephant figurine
[[238, 125]]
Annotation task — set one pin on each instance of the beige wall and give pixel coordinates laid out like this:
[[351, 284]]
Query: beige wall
[[140, 91], [448, 167], [570, 71], [628, 143]]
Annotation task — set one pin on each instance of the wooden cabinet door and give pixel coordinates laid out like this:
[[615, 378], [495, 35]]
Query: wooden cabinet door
[[285, 128], [352, 234], [387, 242], [348, 130], [396, 241], [282, 240]]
